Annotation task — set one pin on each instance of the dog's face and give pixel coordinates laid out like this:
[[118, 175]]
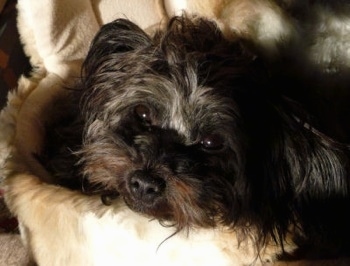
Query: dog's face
[[162, 126]]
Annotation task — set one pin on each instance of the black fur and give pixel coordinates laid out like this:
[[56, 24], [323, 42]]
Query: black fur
[[193, 130]]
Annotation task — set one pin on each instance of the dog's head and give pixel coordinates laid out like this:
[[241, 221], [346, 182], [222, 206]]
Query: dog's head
[[163, 125]]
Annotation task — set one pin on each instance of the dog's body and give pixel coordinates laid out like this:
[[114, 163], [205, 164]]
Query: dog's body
[[190, 129]]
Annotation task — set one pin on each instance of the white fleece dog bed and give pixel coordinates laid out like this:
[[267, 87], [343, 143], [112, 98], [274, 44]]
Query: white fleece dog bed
[[69, 228]]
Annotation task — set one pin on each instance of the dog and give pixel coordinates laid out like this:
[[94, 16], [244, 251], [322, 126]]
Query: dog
[[193, 130]]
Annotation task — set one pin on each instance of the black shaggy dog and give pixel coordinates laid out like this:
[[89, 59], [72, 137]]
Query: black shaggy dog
[[194, 130]]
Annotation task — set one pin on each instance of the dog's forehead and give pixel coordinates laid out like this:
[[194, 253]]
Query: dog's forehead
[[182, 106], [187, 111], [180, 114]]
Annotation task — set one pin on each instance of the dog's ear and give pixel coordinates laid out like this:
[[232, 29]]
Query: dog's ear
[[116, 37]]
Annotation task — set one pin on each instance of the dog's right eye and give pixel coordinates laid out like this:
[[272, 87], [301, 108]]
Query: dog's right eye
[[144, 113], [212, 142]]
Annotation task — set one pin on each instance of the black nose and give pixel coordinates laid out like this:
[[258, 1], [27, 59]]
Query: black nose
[[146, 187]]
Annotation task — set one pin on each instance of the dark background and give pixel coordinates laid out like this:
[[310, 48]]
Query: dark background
[[13, 61]]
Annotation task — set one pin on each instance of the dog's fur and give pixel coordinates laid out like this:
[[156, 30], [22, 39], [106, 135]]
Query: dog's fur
[[193, 130]]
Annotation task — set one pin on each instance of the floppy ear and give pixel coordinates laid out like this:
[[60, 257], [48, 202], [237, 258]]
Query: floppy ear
[[116, 37]]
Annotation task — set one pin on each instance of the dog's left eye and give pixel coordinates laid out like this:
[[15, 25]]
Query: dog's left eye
[[143, 112], [212, 142]]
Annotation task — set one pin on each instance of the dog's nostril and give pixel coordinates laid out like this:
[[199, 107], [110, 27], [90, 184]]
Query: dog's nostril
[[152, 190], [135, 184], [146, 187]]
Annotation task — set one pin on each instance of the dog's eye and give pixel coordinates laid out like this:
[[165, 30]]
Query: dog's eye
[[212, 142], [143, 112]]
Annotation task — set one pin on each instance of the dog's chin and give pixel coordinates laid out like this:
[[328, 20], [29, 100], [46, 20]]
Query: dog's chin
[[169, 207], [156, 210]]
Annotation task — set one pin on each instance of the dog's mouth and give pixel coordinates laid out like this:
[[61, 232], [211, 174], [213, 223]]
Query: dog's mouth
[[159, 211], [157, 208]]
